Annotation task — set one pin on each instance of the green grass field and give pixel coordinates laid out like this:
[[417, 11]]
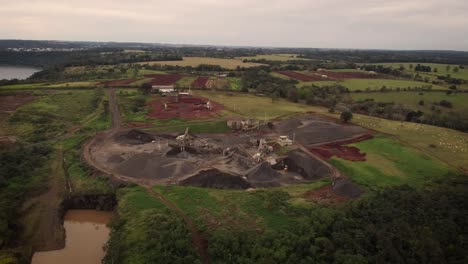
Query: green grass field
[[441, 69], [198, 127], [412, 99], [73, 84], [77, 172], [376, 84], [22, 86], [235, 83], [388, 162], [54, 113], [254, 106], [241, 210], [185, 82]]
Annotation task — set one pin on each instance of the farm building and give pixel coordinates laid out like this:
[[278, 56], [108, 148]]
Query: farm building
[[163, 88]]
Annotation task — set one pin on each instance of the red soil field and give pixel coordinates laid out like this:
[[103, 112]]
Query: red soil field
[[324, 194], [188, 107], [164, 79], [348, 75], [118, 82], [338, 149], [200, 82], [302, 77], [9, 103]]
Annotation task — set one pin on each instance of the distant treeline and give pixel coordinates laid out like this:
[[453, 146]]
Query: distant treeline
[[380, 56], [98, 56]]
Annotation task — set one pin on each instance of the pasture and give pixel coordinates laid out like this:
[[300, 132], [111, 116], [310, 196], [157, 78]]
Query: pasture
[[377, 84], [441, 69], [196, 61], [412, 99], [254, 106], [389, 162], [445, 144]]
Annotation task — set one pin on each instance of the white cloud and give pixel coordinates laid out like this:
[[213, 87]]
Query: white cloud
[[397, 24]]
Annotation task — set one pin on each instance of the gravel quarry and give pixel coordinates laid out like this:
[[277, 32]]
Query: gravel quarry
[[224, 161]]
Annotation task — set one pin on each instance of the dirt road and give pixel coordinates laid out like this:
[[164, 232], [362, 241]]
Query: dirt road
[[114, 109]]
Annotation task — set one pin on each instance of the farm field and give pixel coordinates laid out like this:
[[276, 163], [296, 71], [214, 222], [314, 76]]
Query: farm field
[[377, 84], [164, 79], [273, 57], [53, 114], [459, 100], [200, 82], [185, 82], [301, 77], [441, 69], [388, 162], [196, 61], [254, 106], [84, 84]]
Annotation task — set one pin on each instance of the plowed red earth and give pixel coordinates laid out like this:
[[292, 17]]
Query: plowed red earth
[[164, 79], [9, 103], [118, 82], [189, 107], [324, 194], [302, 77], [348, 75], [338, 149], [200, 82]]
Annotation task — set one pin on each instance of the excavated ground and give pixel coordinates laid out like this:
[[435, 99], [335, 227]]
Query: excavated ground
[[222, 160]]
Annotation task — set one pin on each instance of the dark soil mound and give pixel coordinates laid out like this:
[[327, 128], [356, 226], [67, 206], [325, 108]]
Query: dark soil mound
[[239, 158], [263, 173], [288, 125], [115, 159], [346, 188], [310, 168], [135, 137], [214, 178], [153, 166]]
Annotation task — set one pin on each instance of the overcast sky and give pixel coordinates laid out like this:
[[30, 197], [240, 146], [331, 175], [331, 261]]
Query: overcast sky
[[381, 24]]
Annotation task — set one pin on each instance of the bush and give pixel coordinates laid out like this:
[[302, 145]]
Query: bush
[[346, 116], [446, 104]]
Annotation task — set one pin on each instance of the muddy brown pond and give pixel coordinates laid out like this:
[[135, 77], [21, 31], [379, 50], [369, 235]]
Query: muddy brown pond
[[86, 234]]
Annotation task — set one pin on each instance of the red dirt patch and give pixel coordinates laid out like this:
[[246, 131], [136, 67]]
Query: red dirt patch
[[338, 149], [200, 82], [324, 194], [9, 103], [187, 107], [302, 77], [164, 79]]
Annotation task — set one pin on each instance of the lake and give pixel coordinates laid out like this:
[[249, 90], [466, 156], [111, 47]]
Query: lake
[[16, 72]]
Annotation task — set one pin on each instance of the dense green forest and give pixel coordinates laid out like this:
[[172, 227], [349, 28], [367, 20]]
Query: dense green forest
[[395, 225]]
